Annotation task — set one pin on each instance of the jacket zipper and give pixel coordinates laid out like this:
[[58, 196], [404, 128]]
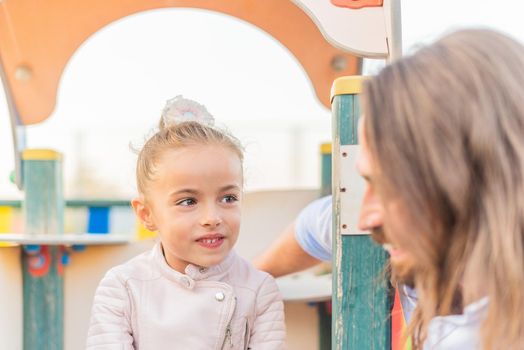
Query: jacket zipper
[[228, 335], [246, 336]]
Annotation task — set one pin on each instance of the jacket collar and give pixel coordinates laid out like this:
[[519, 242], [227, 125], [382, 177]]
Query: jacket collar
[[192, 272]]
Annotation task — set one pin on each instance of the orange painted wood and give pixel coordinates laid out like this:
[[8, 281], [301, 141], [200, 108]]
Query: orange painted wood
[[357, 4], [41, 36]]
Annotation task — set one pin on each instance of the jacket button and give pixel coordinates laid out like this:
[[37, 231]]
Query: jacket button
[[185, 281], [220, 296]]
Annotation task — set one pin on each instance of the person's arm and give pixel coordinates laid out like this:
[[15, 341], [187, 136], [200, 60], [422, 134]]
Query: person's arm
[[285, 255]]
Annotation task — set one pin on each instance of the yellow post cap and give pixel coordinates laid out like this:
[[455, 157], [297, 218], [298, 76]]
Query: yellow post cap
[[347, 85], [325, 148], [41, 154]]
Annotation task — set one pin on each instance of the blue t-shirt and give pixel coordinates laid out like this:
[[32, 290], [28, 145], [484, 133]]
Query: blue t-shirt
[[313, 229]]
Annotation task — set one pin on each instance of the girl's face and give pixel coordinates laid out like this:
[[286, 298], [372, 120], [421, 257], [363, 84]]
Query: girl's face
[[386, 219], [193, 201]]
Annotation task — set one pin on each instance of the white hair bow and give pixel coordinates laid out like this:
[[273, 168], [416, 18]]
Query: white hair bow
[[180, 109]]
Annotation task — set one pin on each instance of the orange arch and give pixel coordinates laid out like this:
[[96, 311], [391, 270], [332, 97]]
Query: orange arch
[[37, 39]]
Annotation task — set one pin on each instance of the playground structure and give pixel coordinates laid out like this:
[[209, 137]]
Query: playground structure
[[328, 38]]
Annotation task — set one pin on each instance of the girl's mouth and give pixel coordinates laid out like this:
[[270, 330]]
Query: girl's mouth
[[211, 242]]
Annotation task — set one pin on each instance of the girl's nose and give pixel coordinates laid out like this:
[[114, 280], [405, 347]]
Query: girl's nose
[[211, 216]]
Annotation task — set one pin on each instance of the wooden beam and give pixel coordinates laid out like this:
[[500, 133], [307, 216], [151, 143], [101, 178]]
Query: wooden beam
[[37, 39]]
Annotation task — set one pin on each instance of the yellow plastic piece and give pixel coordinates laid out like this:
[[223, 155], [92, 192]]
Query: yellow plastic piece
[[6, 219], [41, 154], [347, 85], [325, 148]]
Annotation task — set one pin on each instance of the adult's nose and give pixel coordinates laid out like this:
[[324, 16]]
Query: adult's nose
[[371, 211]]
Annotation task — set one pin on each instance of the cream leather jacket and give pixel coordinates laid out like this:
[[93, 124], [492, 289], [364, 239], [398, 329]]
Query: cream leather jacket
[[144, 304]]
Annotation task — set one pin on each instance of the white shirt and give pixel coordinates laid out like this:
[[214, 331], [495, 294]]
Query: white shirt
[[457, 332]]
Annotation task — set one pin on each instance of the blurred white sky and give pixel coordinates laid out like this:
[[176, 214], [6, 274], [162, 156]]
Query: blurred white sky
[[115, 86]]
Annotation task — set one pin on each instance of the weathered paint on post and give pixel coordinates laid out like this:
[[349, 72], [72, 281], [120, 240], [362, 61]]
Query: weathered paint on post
[[324, 316], [43, 209], [361, 295], [326, 164]]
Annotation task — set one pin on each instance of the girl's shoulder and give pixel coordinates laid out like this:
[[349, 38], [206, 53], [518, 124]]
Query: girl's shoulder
[[139, 267], [244, 274]]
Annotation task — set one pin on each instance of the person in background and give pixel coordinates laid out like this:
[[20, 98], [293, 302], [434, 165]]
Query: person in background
[[442, 153]]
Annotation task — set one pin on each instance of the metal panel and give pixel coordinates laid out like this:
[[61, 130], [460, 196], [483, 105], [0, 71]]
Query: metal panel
[[351, 187]]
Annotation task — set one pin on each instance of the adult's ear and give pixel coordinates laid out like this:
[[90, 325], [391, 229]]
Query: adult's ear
[[143, 213]]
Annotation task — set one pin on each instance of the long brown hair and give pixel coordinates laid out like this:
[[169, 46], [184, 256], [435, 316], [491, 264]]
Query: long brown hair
[[446, 129]]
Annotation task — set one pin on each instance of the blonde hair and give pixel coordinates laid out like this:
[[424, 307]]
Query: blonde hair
[[446, 129], [176, 136]]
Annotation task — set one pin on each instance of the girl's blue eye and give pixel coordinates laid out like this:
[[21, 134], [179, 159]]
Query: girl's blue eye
[[186, 202], [229, 199]]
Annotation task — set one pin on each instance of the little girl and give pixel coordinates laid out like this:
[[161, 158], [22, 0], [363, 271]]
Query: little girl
[[191, 291]]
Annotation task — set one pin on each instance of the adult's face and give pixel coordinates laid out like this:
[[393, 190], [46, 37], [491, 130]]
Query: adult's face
[[384, 217]]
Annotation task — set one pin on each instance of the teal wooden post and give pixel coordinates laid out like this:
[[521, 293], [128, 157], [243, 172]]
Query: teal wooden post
[[324, 316], [326, 164], [43, 209], [361, 302]]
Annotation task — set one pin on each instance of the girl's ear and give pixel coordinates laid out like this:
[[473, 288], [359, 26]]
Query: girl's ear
[[143, 213]]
